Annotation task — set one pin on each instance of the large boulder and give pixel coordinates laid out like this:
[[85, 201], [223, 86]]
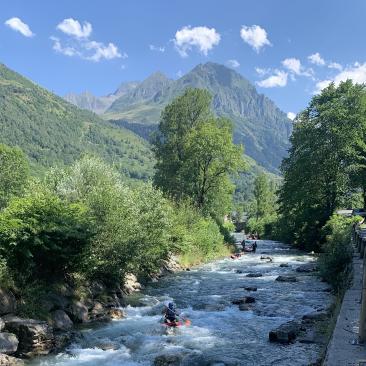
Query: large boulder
[[131, 284], [168, 360], [8, 302], [53, 301], [285, 333], [286, 279], [60, 320], [78, 312], [116, 313], [35, 336], [6, 360], [8, 343]]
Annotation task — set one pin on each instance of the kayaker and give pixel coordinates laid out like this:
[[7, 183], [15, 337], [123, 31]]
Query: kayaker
[[254, 247], [171, 315]]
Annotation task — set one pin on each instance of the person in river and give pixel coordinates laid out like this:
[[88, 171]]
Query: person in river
[[171, 315], [254, 247]]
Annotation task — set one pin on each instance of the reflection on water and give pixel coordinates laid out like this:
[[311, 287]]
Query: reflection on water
[[220, 334]]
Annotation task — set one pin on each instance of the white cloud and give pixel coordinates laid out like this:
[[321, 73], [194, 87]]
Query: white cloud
[[278, 79], [293, 65], [233, 63], [262, 72], [255, 36], [335, 65], [180, 73], [19, 26], [316, 59], [78, 43], [73, 28], [291, 115], [203, 38], [157, 48], [356, 72]]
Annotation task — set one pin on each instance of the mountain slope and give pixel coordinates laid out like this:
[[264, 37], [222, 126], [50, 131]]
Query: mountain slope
[[52, 131], [98, 105], [259, 124]]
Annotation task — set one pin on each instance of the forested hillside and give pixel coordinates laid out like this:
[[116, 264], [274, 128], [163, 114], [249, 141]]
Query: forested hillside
[[52, 132]]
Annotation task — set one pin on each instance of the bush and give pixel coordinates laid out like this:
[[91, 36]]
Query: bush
[[42, 236], [335, 261]]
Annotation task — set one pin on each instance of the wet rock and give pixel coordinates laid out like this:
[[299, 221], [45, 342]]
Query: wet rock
[[255, 274], [244, 300], [97, 288], [8, 302], [35, 336], [78, 312], [316, 316], [63, 339], [327, 289], [2, 324], [168, 360], [307, 268], [286, 279], [251, 288], [6, 360], [108, 346], [285, 333], [214, 307], [59, 320], [284, 265], [188, 269], [238, 271], [270, 259], [8, 343], [244, 307], [116, 314]]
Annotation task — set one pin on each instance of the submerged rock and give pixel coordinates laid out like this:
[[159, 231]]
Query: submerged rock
[[251, 288], [8, 343], [307, 268], [285, 333], [284, 265], [256, 274], [286, 279], [168, 360], [244, 300]]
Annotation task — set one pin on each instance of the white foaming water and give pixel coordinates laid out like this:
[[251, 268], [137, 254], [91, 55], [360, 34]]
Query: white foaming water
[[219, 331]]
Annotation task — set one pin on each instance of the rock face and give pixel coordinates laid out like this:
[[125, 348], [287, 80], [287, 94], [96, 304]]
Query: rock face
[[35, 337], [285, 333], [286, 279], [10, 361], [60, 320], [8, 303], [8, 343]]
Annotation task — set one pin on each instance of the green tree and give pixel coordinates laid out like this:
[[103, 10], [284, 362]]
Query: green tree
[[264, 196], [14, 171], [316, 172], [177, 119], [195, 153]]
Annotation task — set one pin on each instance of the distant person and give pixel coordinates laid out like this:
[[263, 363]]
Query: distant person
[[254, 247]]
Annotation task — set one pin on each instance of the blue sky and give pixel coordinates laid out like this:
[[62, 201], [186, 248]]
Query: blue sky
[[71, 46]]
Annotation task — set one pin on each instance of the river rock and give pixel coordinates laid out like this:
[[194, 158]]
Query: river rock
[[316, 316], [2, 324], [8, 302], [244, 307], [284, 265], [244, 300], [256, 274], [168, 360], [35, 336], [60, 320], [285, 333], [6, 360], [286, 279], [307, 268], [53, 301], [251, 288], [131, 284], [116, 313], [8, 343], [238, 271], [78, 312]]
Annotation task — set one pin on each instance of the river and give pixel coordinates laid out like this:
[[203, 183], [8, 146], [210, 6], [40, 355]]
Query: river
[[220, 334]]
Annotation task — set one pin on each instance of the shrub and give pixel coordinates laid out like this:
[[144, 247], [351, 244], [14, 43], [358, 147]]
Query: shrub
[[42, 236], [336, 258]]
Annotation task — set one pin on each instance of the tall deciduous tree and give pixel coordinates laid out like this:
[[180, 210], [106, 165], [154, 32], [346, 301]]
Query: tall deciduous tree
[[195, 153]]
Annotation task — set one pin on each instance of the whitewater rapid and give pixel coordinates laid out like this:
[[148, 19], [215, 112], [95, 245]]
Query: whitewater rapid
[[220, 334]]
